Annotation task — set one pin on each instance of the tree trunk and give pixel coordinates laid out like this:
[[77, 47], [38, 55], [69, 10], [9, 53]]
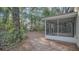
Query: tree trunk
[[16, 20]]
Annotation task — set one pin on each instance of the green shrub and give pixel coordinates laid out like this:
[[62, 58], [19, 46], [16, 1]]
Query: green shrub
[[39, 28], [8, 36]]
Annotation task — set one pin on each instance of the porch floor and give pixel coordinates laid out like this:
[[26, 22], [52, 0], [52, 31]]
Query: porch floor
[[37, 42]]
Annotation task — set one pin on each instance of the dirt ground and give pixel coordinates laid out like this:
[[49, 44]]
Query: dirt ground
[[37, 42]]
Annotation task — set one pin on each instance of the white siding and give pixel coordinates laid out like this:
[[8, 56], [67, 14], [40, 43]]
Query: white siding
[[77, 29], [61, 38]]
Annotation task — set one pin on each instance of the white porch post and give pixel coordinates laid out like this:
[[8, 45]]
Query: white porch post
[[49, 28], [57, 27], [45, 28]]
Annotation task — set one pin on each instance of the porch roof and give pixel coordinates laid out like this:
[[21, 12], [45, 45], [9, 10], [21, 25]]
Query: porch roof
[[69, 15]]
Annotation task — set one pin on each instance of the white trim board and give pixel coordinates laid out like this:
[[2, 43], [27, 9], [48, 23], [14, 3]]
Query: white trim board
[[66, 39], [69, 15]]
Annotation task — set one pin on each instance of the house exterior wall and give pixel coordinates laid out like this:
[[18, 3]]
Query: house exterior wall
[[77, 29], [76, 9], [74, 39], [61, 38]]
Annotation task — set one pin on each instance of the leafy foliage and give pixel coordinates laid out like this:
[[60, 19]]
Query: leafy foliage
[[8, 35]]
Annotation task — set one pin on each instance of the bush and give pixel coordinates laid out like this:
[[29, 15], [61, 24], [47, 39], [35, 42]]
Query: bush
[[8, 36], [39, 28]]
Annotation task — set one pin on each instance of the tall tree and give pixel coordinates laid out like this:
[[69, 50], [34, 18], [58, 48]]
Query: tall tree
[[16, 20]]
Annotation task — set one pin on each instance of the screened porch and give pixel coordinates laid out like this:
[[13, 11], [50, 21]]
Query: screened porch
[[63, 25]]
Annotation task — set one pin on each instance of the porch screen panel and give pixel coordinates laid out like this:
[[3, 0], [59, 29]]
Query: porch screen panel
[[66, 27], [61, 27], [51, 27]]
